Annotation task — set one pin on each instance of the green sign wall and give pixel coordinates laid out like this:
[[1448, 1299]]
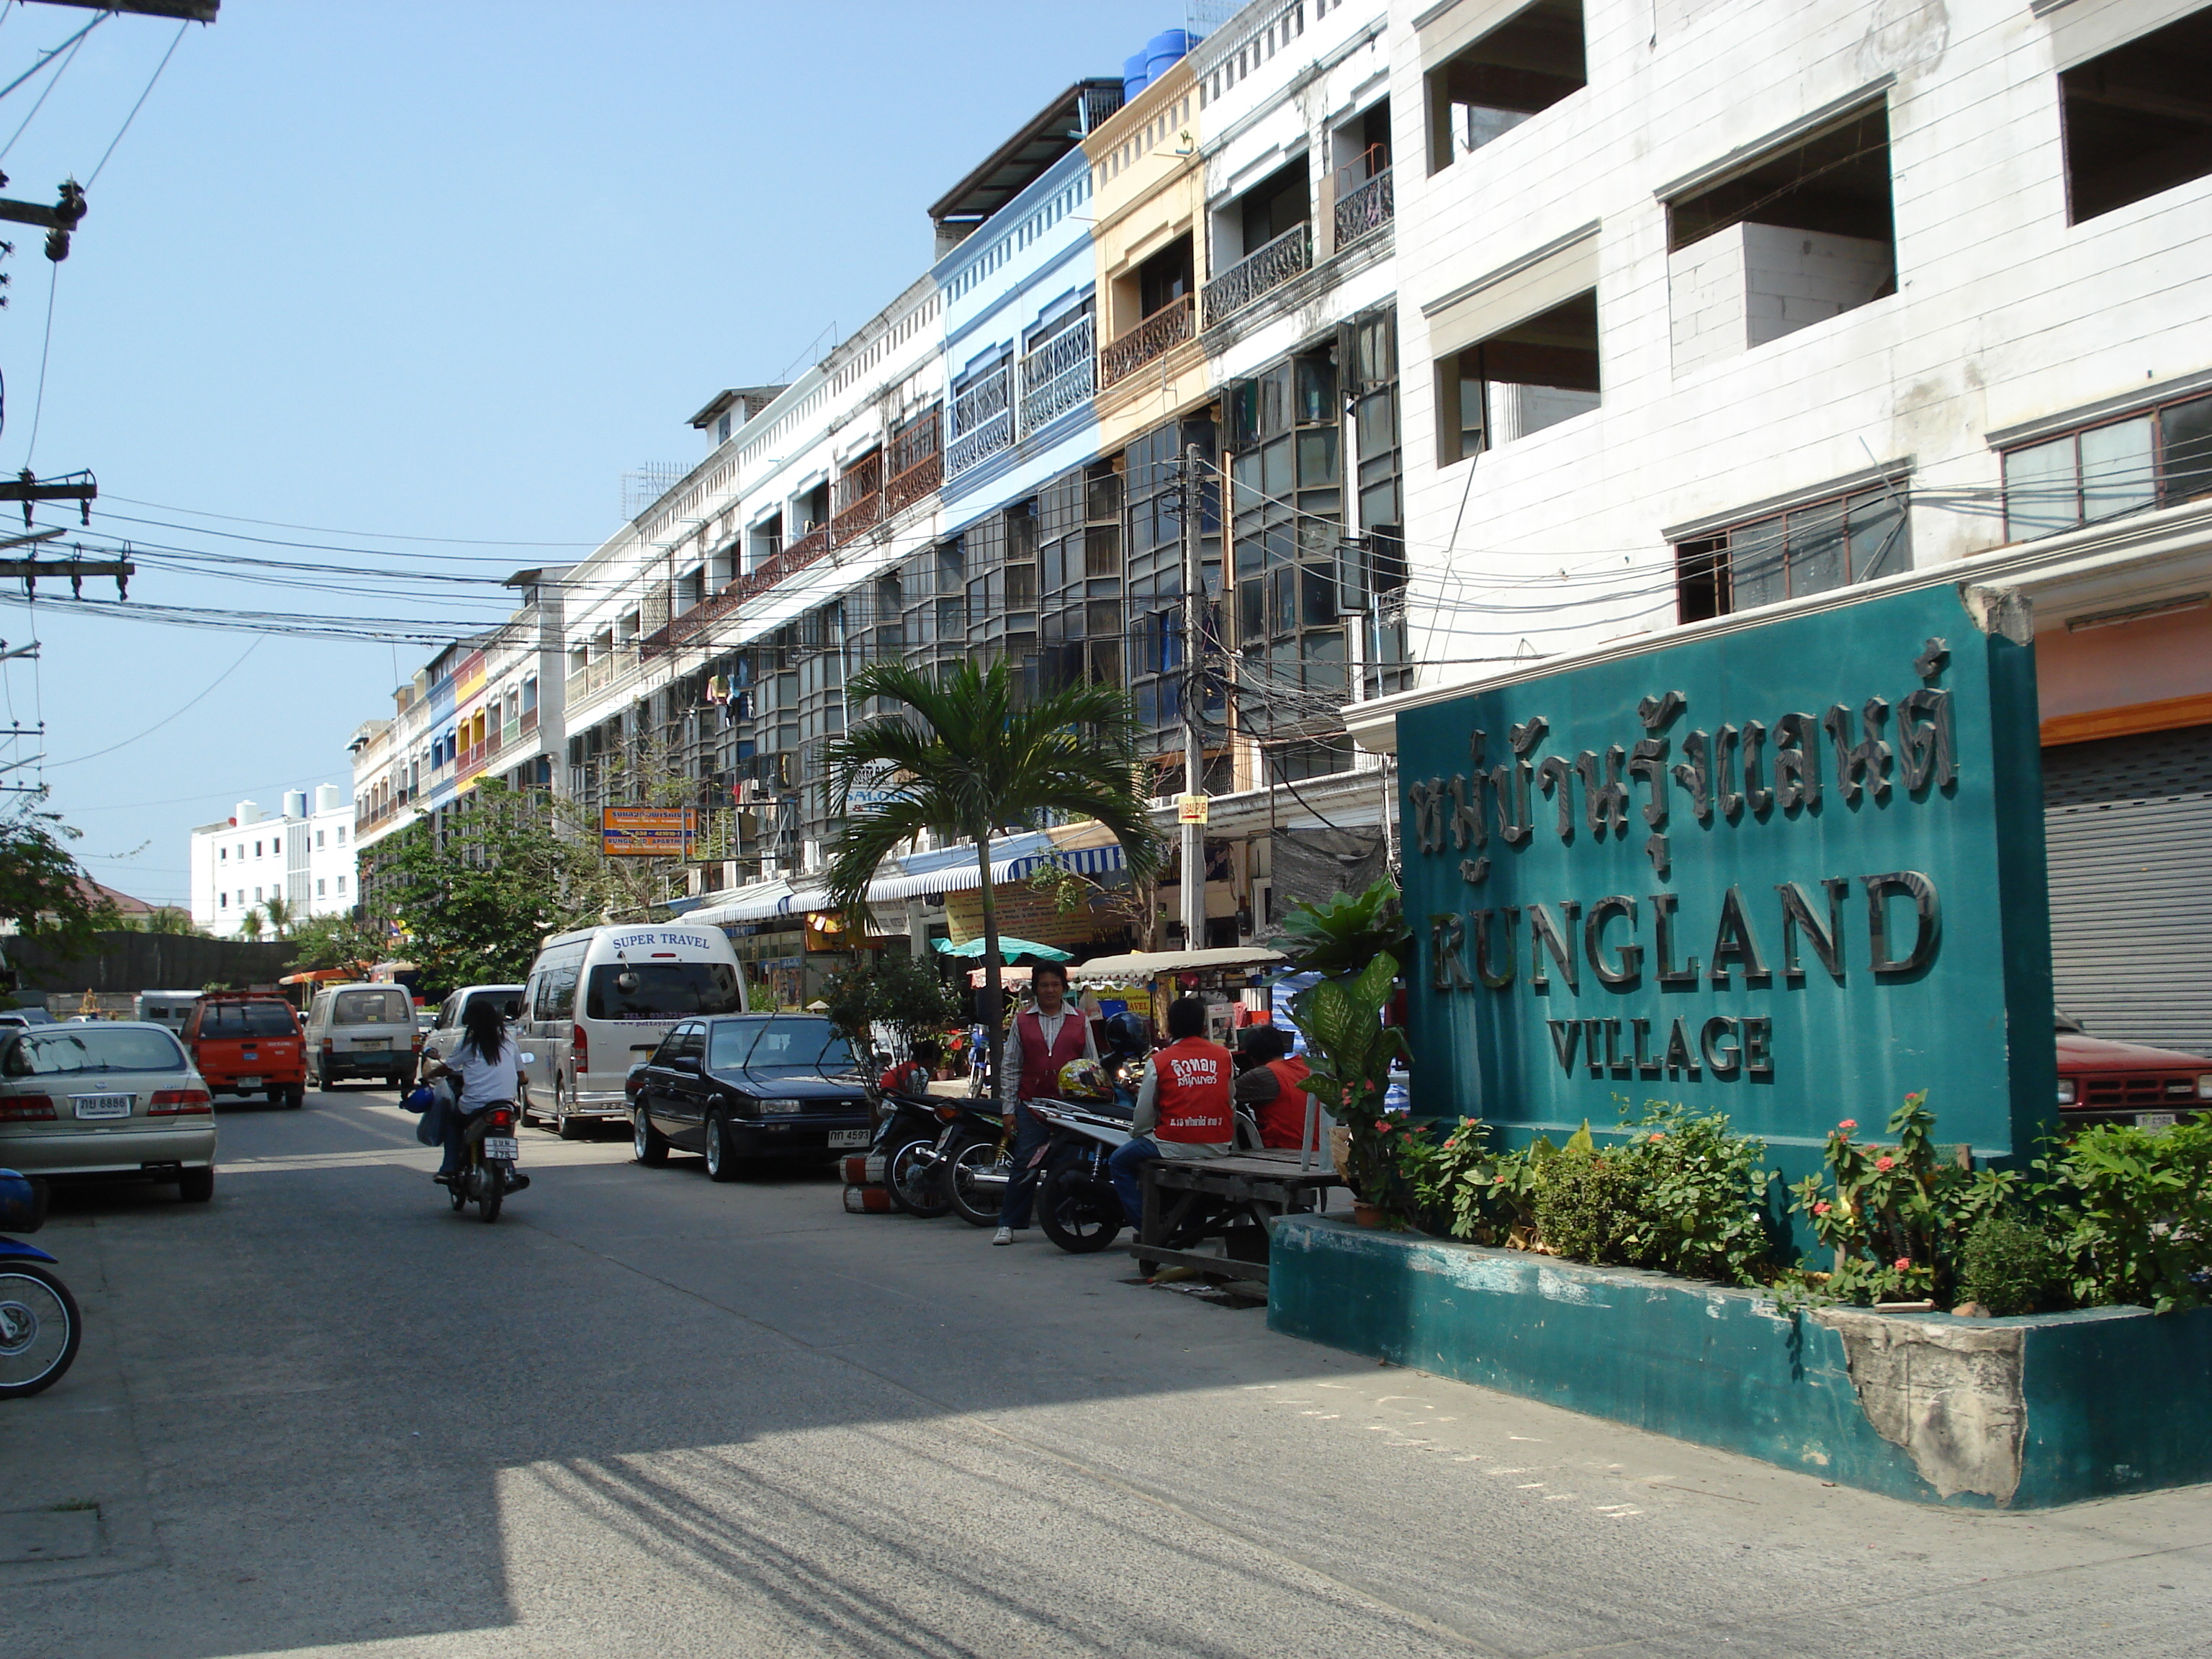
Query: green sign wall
[[1791, 873]]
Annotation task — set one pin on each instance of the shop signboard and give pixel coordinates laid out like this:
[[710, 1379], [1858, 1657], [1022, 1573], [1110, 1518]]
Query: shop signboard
[[647, 831], [1790, 872]]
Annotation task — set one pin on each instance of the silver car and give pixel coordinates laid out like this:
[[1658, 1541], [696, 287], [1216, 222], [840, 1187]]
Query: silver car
[[116, 1098]]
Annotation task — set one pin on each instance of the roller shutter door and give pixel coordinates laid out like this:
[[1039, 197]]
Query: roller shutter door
[[2128, 826]]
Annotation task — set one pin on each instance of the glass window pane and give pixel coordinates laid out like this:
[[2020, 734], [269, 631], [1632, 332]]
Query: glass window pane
[[1275, 470], [2116, 470], [1755, 564], [2039, 490], [1317, 595], [1880, 541], [1316, 390], [1816, 549], [1318, 458], [2184, 450], [1251, 611], [1377, 425]]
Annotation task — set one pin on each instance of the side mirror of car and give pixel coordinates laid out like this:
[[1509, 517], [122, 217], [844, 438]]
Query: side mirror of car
[[683, 1063]]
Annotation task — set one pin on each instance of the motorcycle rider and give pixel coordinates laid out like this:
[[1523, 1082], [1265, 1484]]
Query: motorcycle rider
[[1271, 1084], [1183, 1110], [912, 1076], [1043, 1039], [486, 1067]]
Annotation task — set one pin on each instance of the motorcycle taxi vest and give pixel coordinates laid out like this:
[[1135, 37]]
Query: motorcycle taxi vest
[[1042, 1060], [1191, 1093], [1283, 1120]]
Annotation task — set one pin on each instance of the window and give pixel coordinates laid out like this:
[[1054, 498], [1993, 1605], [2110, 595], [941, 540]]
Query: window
[[320, 888], [529, 694], [2158, 458], [222, 901], [341, 834], [1799, 235], [656, 990], [257, 849], [342, 883], [1164, 278], [1277, 203], [257, 896], [1532, 375], [276, 846], [380, 1007], [1520, 68], [319, 833], [1785, 555], [722, 429], [222, 853], [2137, 120]]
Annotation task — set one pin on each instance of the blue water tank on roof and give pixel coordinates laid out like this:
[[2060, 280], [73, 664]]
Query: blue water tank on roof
[[1163, 49], [1133, 78]]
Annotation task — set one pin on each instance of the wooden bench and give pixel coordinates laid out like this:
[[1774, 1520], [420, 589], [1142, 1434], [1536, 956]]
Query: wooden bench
[[1246, 1188]]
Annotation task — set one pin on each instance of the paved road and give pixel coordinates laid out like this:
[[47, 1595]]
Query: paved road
[[645, 1414]]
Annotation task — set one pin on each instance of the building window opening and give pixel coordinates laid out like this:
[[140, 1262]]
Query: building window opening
[[1533, 375], [1520, 68], [1278, 204], [2160, 458], [1164, 278], [2137, 120], [1814, 548], [1802, 235]]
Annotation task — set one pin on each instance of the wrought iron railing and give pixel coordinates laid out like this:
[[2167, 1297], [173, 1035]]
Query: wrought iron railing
[[1364, 211], [982, 421], [1166, 328], [858, 517], [1059, 375], [1269, 266], [917, 463], [917, 481]]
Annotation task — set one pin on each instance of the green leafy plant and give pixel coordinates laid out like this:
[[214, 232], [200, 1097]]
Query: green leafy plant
[[2131, 1211], [1351, 1050], [2011, 1266], [1345, 932], [1895, 1215], [895, 991]]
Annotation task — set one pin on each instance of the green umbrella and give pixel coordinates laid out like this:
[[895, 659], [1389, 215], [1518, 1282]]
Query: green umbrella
[[1009, 948]]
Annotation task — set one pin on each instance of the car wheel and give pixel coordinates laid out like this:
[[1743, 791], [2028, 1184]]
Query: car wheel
[[647, 1143], [566, 1123], [722, 1162], [322, 1079], [196, 1186], [292, 1096]]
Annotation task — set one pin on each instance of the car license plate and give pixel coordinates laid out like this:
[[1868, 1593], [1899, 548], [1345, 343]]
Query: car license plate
[[849, 1137], [249, 1083], [2155, 1120], [103, 1105], [372, 1042], [499, 1146]]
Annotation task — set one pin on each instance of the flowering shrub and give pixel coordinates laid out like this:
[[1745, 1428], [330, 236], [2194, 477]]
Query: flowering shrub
[[2129, 1211]]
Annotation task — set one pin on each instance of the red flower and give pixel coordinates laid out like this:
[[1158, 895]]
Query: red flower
[[1849, 1123], [1382, 1125], [1656, 1136], [1885, 1164], [1903, 1262], [1822, 1207]]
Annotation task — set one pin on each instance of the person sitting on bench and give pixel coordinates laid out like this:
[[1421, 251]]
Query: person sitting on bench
[[1183, 1108], [1270, 1085]]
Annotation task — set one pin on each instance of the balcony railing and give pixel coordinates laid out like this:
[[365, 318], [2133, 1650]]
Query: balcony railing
[[863, 512], [916, 463], [1166, 328], [1059, 375], [982, 421], [908, 487], [1269, 266], [1364, 211], [575, 688], [528, 724]]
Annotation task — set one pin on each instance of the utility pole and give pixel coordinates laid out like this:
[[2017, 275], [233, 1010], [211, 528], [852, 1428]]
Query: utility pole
[[1192, 809]]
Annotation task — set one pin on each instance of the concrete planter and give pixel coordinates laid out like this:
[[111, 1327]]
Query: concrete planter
[[2005, 1413]]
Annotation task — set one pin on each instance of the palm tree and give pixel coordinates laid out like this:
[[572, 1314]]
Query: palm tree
[[967, 756], [280, 916], [250, 925], [170, 919]]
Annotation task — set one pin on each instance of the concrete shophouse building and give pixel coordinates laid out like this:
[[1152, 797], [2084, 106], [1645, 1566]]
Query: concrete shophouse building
[[1722, 311]]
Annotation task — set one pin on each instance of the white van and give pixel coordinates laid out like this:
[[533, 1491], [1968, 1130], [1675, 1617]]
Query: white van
[[362, 1030], [600, 1000], [171, 1010]]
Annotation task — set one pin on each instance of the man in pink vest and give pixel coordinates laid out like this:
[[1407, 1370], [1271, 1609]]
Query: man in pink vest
[[1043, 1039]]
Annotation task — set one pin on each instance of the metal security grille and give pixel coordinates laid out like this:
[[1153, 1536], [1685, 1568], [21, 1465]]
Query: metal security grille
[[2128, 826]]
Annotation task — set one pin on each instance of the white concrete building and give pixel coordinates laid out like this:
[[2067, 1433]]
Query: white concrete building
[[304, 857]]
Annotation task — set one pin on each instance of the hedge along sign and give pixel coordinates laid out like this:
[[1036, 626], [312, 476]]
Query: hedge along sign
[[1791, 873]]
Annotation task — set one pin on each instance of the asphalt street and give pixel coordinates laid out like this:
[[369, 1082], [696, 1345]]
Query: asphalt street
[[647, 1414]]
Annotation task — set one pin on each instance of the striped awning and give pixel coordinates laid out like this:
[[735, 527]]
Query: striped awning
[[1084, 862]]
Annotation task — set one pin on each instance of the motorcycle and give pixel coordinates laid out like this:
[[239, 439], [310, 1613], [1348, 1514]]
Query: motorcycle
[[965, 1170], [490, 1151], [909, 1127], [1076, 1203], [40, 1324]]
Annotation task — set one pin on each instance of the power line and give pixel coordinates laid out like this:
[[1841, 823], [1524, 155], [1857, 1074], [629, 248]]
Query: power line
[[325, 530], [177, 715], [38, 403], [72, 46], [140, 105]]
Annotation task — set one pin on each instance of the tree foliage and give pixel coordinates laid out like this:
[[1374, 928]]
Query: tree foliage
[[42, 892], [897, 992], [968, 758], [339, 941]]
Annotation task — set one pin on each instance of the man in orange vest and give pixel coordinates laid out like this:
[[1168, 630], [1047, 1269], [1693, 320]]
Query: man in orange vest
[[1272, 1085], [1184, 1108]]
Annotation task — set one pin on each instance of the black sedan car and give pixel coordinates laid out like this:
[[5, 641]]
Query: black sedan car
[[748, 1087]]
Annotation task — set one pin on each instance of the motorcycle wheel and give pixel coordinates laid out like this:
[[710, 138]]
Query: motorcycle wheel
[[891, 1154], [490, 1181], [39, 1328], [979, 1206], [1072, 1214], [916, 1187], [457, 1191]]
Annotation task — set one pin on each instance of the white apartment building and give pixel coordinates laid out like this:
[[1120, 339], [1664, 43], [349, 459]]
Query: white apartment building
[[305, 858], [1708, 308]]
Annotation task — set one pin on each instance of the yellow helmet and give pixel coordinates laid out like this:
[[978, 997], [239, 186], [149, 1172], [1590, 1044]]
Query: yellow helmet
[[1084, 1079]]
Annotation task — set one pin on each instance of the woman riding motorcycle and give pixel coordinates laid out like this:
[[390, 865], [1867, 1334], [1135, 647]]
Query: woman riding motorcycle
[[486, 1068]]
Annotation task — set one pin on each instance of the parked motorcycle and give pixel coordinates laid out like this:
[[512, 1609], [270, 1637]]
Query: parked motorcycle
[[40, 1324], [1076, 1203], [909, 1127], [965, 1170]]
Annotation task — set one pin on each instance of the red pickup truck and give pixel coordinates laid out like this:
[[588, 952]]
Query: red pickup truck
[[2101, 1081], [247, 1043]]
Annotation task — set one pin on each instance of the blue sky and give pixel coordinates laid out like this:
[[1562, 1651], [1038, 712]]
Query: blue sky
[[441, 270]]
